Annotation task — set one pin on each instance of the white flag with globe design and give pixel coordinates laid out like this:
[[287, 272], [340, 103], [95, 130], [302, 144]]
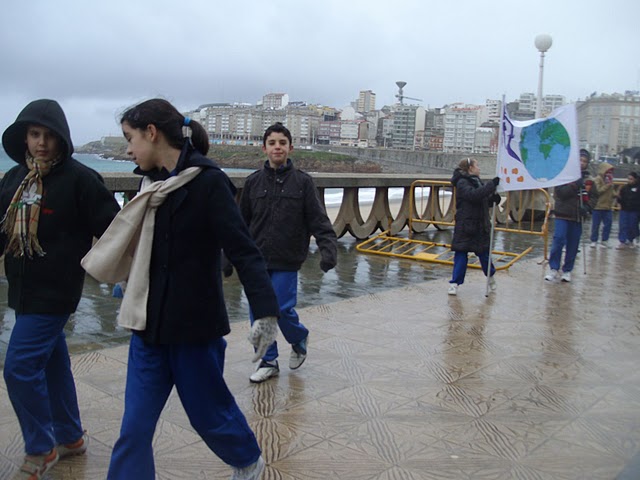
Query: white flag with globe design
[[539, 153]]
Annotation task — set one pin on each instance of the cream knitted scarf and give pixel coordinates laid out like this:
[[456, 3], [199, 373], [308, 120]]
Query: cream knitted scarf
[[124, 250]]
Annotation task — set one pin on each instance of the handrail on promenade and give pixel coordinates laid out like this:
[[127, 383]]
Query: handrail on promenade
[[512, 213]]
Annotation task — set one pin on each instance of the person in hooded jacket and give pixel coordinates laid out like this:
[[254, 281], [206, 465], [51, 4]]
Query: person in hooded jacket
[[472, 230], [53, 206], [166, 242], [603, 210]]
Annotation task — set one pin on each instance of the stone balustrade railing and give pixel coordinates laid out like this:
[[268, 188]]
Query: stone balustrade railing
[[379, 216]]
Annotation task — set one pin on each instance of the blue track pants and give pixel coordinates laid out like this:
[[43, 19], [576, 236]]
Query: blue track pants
[[40, 385], [197, 373]]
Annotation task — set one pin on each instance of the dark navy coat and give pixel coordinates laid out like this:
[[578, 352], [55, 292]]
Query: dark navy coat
[[472, 231], [186, 302]]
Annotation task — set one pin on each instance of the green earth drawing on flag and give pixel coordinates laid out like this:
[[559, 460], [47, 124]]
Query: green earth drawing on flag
[[544, 148]]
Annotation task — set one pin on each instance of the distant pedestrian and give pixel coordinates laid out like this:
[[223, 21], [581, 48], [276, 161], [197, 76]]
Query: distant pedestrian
[[52, 207], [629, 199], [603, 211], [472, 230], [570, 208], [167, 244], [283, 210]]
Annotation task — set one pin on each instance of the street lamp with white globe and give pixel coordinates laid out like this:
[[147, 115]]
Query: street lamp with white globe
[[543, 43]]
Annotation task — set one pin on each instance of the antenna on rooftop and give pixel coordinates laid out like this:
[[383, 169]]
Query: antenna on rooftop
[[400, 96]]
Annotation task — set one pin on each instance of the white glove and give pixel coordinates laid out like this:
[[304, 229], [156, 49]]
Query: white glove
[[263, 333]]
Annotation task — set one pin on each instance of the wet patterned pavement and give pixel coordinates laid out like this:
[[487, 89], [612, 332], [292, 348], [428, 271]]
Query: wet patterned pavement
[[538, 381]]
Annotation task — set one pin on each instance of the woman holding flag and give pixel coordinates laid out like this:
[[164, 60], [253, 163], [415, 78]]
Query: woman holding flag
[[472, 231]]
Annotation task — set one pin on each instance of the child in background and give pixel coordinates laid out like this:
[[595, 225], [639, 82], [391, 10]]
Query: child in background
[[602, 212], [629, 199], [281, 206]]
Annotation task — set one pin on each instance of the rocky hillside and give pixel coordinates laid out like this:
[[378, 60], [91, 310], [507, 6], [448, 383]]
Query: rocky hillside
[[231, 156]]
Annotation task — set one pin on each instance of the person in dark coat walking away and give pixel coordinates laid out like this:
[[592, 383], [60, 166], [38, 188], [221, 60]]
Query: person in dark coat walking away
[[167, 243], [283, 210], [472, 230], [52, 206]]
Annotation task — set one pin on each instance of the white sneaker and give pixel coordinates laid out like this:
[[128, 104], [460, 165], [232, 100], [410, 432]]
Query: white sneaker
[[264, 372], [252, 472], [298, 354], [552, 276], [566, 277], [621, 246], [453, 289], [593, 245], [604, 245], [492, 283]]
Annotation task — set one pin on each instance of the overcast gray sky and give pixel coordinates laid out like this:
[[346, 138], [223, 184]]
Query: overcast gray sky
[[97, 58]]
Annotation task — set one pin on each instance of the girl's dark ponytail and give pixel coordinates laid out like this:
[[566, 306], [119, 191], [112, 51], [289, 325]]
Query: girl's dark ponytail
[[169, 121]]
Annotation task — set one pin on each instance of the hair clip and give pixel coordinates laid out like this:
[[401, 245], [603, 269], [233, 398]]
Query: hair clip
[[186, 129]]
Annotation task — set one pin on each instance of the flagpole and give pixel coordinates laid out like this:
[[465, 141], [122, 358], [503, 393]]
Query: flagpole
[[493, 209]]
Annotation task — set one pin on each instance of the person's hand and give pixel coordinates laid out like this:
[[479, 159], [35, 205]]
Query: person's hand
[[227, 269], [496, 181], [325, 265], [495, 199], [227, 266], [584, 211], [263, 333]]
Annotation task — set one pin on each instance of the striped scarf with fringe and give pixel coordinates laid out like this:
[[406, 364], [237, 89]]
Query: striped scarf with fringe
[[20, 222]]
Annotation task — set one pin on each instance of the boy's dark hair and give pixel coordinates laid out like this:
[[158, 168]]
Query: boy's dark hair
[[635, 175], [169, 121], [276, 128]]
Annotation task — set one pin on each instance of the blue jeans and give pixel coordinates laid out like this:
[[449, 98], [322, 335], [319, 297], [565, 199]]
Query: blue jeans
[[285, 286], [40, 385], [606, 218], [196, 370], [567, 234], [460, 260], [628, 226]]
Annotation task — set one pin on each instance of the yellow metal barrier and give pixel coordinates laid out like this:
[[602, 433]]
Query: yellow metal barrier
[[431, 252], [521, 212]]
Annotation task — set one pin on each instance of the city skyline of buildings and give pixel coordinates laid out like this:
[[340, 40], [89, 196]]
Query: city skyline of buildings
[[608, 123]]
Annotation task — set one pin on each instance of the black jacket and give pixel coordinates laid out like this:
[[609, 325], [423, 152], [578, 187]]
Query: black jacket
[[629, 197], [186, 302], [76, 206], [282, 209], [472, 230], [567, 200]]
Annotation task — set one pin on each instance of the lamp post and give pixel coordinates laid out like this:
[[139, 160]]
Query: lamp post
[[543, 43]]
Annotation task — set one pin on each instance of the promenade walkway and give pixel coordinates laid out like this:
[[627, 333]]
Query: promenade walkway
[[538, 381]]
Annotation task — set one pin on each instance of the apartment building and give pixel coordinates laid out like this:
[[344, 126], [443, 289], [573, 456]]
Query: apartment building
[[494, 110], [460, 124], [408, 126], [275, 101], [609, 123], [366, 101], [244, 124]]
